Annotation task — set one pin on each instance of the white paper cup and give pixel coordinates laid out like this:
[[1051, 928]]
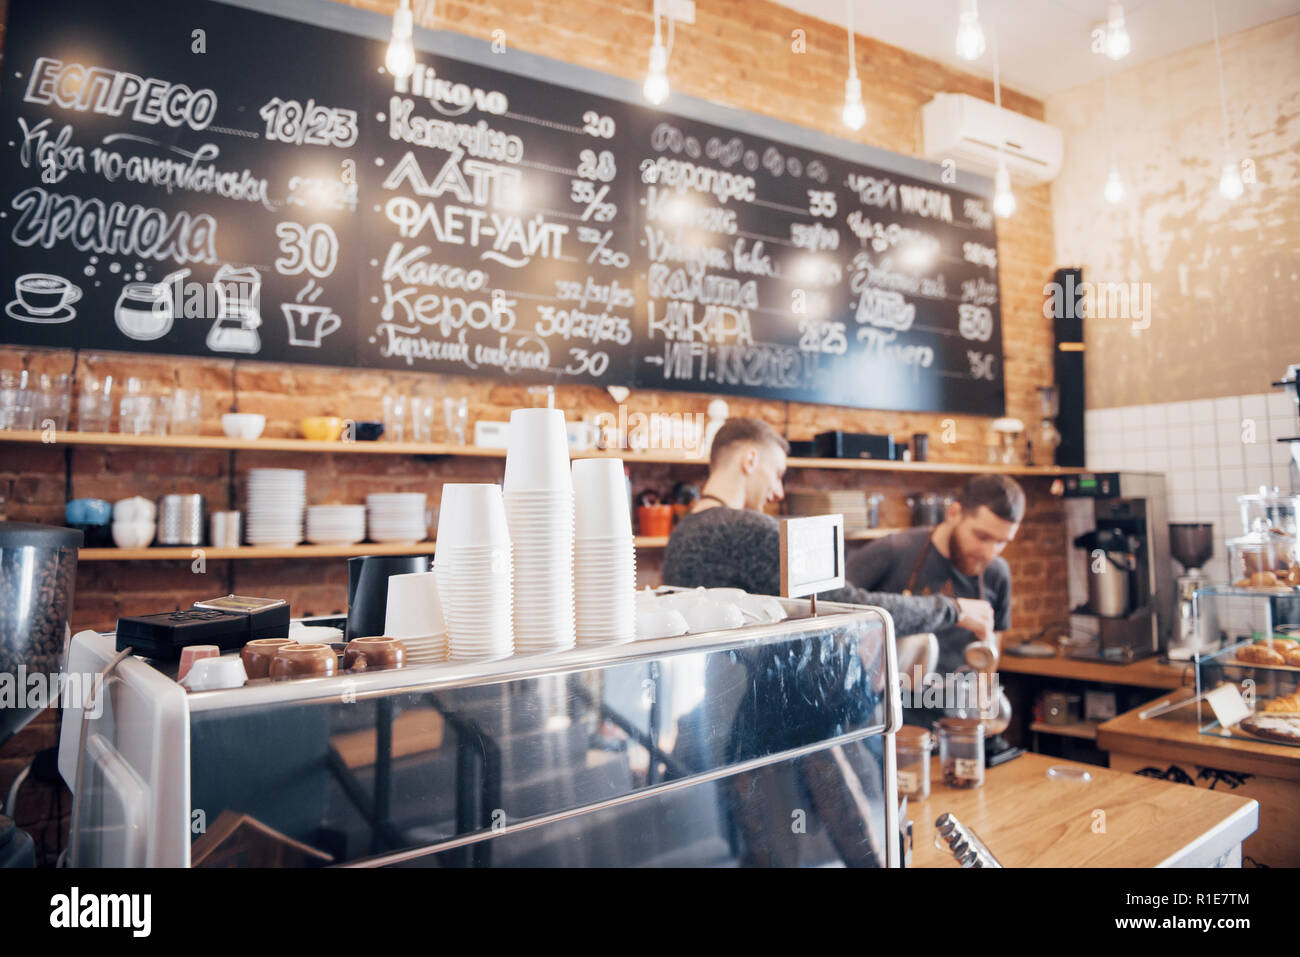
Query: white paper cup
[[537, 456], [472, 515], [413, 606], [600, 499]]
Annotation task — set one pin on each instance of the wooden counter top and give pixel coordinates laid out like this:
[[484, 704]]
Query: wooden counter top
[[1147, 673], [1029, 820], [1176, 737]]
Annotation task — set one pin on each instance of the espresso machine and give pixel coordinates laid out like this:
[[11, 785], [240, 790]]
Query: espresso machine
[[1120, 594], [1191, 544]]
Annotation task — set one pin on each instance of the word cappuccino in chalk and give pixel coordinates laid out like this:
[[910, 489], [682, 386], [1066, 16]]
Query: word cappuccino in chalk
[[112, 92]]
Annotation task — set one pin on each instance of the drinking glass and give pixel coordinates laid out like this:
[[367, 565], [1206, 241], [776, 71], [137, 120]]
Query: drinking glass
[[95, 404], [135, 411], [395, 418], [16, 401], [422, 412], [184, 412], [54, 401], [456, 414]]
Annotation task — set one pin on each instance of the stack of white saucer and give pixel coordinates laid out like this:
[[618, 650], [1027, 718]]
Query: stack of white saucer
[[397, 517], [474, 573], [539, 511], [414, 615], [336, 524], [604, 554], [276, 498]]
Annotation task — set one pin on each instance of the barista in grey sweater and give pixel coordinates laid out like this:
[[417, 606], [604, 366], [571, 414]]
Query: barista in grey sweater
[[727, 541]]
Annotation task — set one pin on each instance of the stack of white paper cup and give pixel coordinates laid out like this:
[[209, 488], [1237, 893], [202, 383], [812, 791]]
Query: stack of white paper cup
[[474, 573], [414, 615], [604, 554], [539, 511]]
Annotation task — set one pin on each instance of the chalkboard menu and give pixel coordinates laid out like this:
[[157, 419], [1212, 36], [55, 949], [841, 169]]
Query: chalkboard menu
[[200, 178]]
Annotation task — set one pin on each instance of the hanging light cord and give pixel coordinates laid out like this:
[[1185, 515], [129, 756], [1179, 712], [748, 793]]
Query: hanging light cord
[[853, 60], [1110, 126], [668, 47], [1218, 56]]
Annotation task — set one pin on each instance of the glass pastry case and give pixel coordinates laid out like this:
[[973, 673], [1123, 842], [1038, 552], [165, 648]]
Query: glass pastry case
[[1254, 635]]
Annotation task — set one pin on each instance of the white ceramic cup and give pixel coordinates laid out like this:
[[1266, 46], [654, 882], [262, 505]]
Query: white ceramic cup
[[209, 674], [135, 509], [537, 456], [243, 425]]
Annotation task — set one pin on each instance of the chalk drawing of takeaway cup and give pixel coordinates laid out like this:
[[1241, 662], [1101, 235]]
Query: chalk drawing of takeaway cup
[[309, 325]]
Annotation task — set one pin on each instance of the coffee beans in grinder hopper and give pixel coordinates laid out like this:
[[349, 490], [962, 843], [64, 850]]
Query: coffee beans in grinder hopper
[[38, 572]]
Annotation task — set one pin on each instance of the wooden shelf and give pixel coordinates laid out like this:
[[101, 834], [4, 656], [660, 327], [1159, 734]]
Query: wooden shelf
[[163, 553], [1080, 729], [186, 552], [222, 443]]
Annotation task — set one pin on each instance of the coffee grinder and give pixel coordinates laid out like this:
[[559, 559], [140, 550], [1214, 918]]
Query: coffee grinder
[[1191, 544], [1120, 593]]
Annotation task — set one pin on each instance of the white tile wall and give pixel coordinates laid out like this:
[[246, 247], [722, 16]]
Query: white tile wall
[[1202, 449]]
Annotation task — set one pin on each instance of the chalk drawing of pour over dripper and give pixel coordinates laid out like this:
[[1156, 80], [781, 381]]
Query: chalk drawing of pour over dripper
[[239, 294]]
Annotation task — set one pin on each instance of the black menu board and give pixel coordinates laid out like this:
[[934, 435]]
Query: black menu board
[[200, 178]]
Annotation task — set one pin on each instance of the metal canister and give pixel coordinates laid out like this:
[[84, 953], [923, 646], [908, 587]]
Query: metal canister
[[225, 529], [180, 520]]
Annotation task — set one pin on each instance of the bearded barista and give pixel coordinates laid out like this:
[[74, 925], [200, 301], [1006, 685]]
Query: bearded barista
[[960, 558]]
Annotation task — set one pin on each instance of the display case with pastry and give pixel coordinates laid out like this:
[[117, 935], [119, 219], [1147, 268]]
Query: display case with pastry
[[1266, 670]]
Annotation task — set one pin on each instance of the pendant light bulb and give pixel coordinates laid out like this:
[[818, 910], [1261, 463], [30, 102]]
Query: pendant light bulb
[[1230, 185], [1114, 188], [1004, 201], [1118, 43], [855, 114], [970, 35], [656, 81], [400, 58]]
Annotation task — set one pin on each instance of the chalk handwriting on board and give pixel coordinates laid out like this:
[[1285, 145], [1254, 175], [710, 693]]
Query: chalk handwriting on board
[[981, 365], [873, 191], [975, 322], [610, 294], [476, 139], [414, 266], [310, 124], [821, 336], [979, 291], [313, 248], [46, 219], [73, 86], [979, 254], [594, 124]]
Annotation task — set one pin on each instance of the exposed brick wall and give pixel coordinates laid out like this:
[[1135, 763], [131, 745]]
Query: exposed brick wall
[[738, 53]]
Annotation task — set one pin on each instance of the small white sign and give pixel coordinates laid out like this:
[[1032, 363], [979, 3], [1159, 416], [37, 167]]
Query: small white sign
[[1228, 705], [812, 555]]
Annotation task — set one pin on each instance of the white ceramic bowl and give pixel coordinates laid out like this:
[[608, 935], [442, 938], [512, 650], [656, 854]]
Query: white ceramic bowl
[[243, 425], [133, 534]]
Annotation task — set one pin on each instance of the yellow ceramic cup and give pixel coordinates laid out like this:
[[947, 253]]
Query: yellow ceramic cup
[[321, 428]]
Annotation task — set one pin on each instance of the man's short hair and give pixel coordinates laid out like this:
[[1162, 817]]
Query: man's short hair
[[1000, 494], [734, 431]]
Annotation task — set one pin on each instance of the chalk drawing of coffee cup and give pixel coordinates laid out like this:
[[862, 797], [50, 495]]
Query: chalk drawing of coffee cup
[[43, 297], [309, 325]]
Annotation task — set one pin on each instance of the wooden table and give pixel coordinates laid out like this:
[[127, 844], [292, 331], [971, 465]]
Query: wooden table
[[1172, 745], [1114, 820], [1147, 673]]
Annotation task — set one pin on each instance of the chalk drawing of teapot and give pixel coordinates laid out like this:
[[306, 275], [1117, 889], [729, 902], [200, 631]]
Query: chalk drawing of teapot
[[146, 310]]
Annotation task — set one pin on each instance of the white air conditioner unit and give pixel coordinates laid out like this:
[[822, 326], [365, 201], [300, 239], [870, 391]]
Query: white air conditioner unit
[[969, 130]]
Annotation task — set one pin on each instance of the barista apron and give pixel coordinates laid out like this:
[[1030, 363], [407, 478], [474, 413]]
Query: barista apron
[[916, 571]]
